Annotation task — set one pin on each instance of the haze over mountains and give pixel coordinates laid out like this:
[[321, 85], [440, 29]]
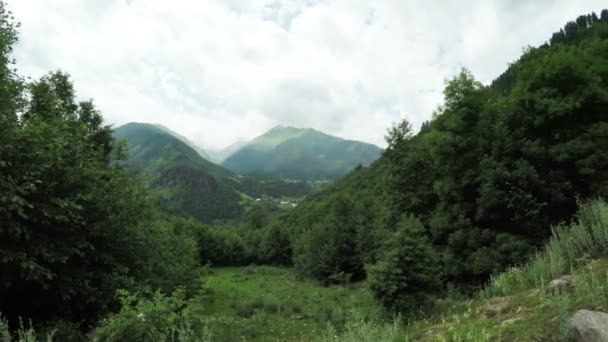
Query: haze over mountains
[[296, 153], [188, 181], [283, 152], [186, 177]]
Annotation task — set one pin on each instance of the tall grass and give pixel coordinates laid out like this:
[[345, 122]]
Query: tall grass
[[22, 334], [362, 330], [569, 245]]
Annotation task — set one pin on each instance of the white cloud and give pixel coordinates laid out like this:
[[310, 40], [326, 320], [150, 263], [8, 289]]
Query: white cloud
[[217, 71]]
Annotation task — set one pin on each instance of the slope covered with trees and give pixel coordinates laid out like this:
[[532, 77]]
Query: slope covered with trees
[[184, 179], [487, 177], [303, 154]]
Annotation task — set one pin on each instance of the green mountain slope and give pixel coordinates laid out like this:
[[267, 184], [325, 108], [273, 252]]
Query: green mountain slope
[[295, 153], [188, 181], [186, 141], [199, 187]]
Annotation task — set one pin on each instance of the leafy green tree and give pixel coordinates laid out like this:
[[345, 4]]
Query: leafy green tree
[[68, 212], [328, 251], [407, 273], [275, 246]]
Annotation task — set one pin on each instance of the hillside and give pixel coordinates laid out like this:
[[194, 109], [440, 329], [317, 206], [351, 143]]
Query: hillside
[[294, 153], [560, 295], [485, 180], [188, 181], [186, 141]]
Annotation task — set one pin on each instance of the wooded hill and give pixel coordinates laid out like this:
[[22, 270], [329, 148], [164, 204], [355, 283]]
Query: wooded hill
[[183, 178], [303, 154]]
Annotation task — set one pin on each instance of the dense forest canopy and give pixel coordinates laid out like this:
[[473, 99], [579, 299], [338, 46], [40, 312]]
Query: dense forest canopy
[[476, 190]]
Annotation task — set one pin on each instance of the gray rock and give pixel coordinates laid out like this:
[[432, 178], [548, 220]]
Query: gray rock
[[561, 284], [589, 326]]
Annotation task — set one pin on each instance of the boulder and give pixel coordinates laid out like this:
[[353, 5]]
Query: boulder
[[589, 326], [561, 284]]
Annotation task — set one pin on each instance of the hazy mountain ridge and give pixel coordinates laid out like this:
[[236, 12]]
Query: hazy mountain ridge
[[203, 153], [190, 182], [219, 155], [187, 180], [296, 153]]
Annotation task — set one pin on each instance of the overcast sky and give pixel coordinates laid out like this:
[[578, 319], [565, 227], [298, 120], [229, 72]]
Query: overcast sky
[[220, 71]]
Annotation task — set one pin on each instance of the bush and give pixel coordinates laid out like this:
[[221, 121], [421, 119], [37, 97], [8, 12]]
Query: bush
[[159, 318]]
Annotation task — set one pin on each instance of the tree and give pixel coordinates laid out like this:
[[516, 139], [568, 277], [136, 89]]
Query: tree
[[398, 133], [75, 225], [328, 251], [275, 247], [407, 274]]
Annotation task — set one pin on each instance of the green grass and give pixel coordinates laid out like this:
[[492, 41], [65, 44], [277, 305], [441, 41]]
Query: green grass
[[261, 303], [272, 304]]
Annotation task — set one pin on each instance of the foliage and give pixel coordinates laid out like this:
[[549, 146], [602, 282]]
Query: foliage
[[515, 303], [328, 251], [159, 318], [491, 173], [75, 225], [275, 246], [586, 237], [408, 270]]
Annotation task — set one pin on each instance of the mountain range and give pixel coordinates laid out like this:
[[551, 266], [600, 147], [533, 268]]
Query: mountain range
[[304, 154], [186, 180]]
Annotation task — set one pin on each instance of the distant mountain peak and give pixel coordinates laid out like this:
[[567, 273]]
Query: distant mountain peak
[[301, 153]]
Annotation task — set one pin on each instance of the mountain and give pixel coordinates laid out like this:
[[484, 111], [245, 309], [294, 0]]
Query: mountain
[[186, 180], [296, 153], [185, 140]]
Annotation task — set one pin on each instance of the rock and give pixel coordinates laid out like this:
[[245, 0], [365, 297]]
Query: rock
[[561, 284], [510, 321], [589, 326]]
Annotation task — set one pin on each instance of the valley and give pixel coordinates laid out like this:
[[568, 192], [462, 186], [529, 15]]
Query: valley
[[487, 221]]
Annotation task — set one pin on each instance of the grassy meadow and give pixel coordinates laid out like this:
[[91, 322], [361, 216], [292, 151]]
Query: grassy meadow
[[272, 303]]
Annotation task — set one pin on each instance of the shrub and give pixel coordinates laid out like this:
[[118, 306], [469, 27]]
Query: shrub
[[158, 318]]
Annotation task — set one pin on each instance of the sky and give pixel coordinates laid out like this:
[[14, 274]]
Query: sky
[[224, 71]]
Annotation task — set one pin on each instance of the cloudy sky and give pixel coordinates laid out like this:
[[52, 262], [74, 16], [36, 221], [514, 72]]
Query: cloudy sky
[[218, 71]]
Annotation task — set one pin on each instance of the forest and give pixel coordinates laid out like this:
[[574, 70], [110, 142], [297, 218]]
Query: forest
[[493, 181]]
